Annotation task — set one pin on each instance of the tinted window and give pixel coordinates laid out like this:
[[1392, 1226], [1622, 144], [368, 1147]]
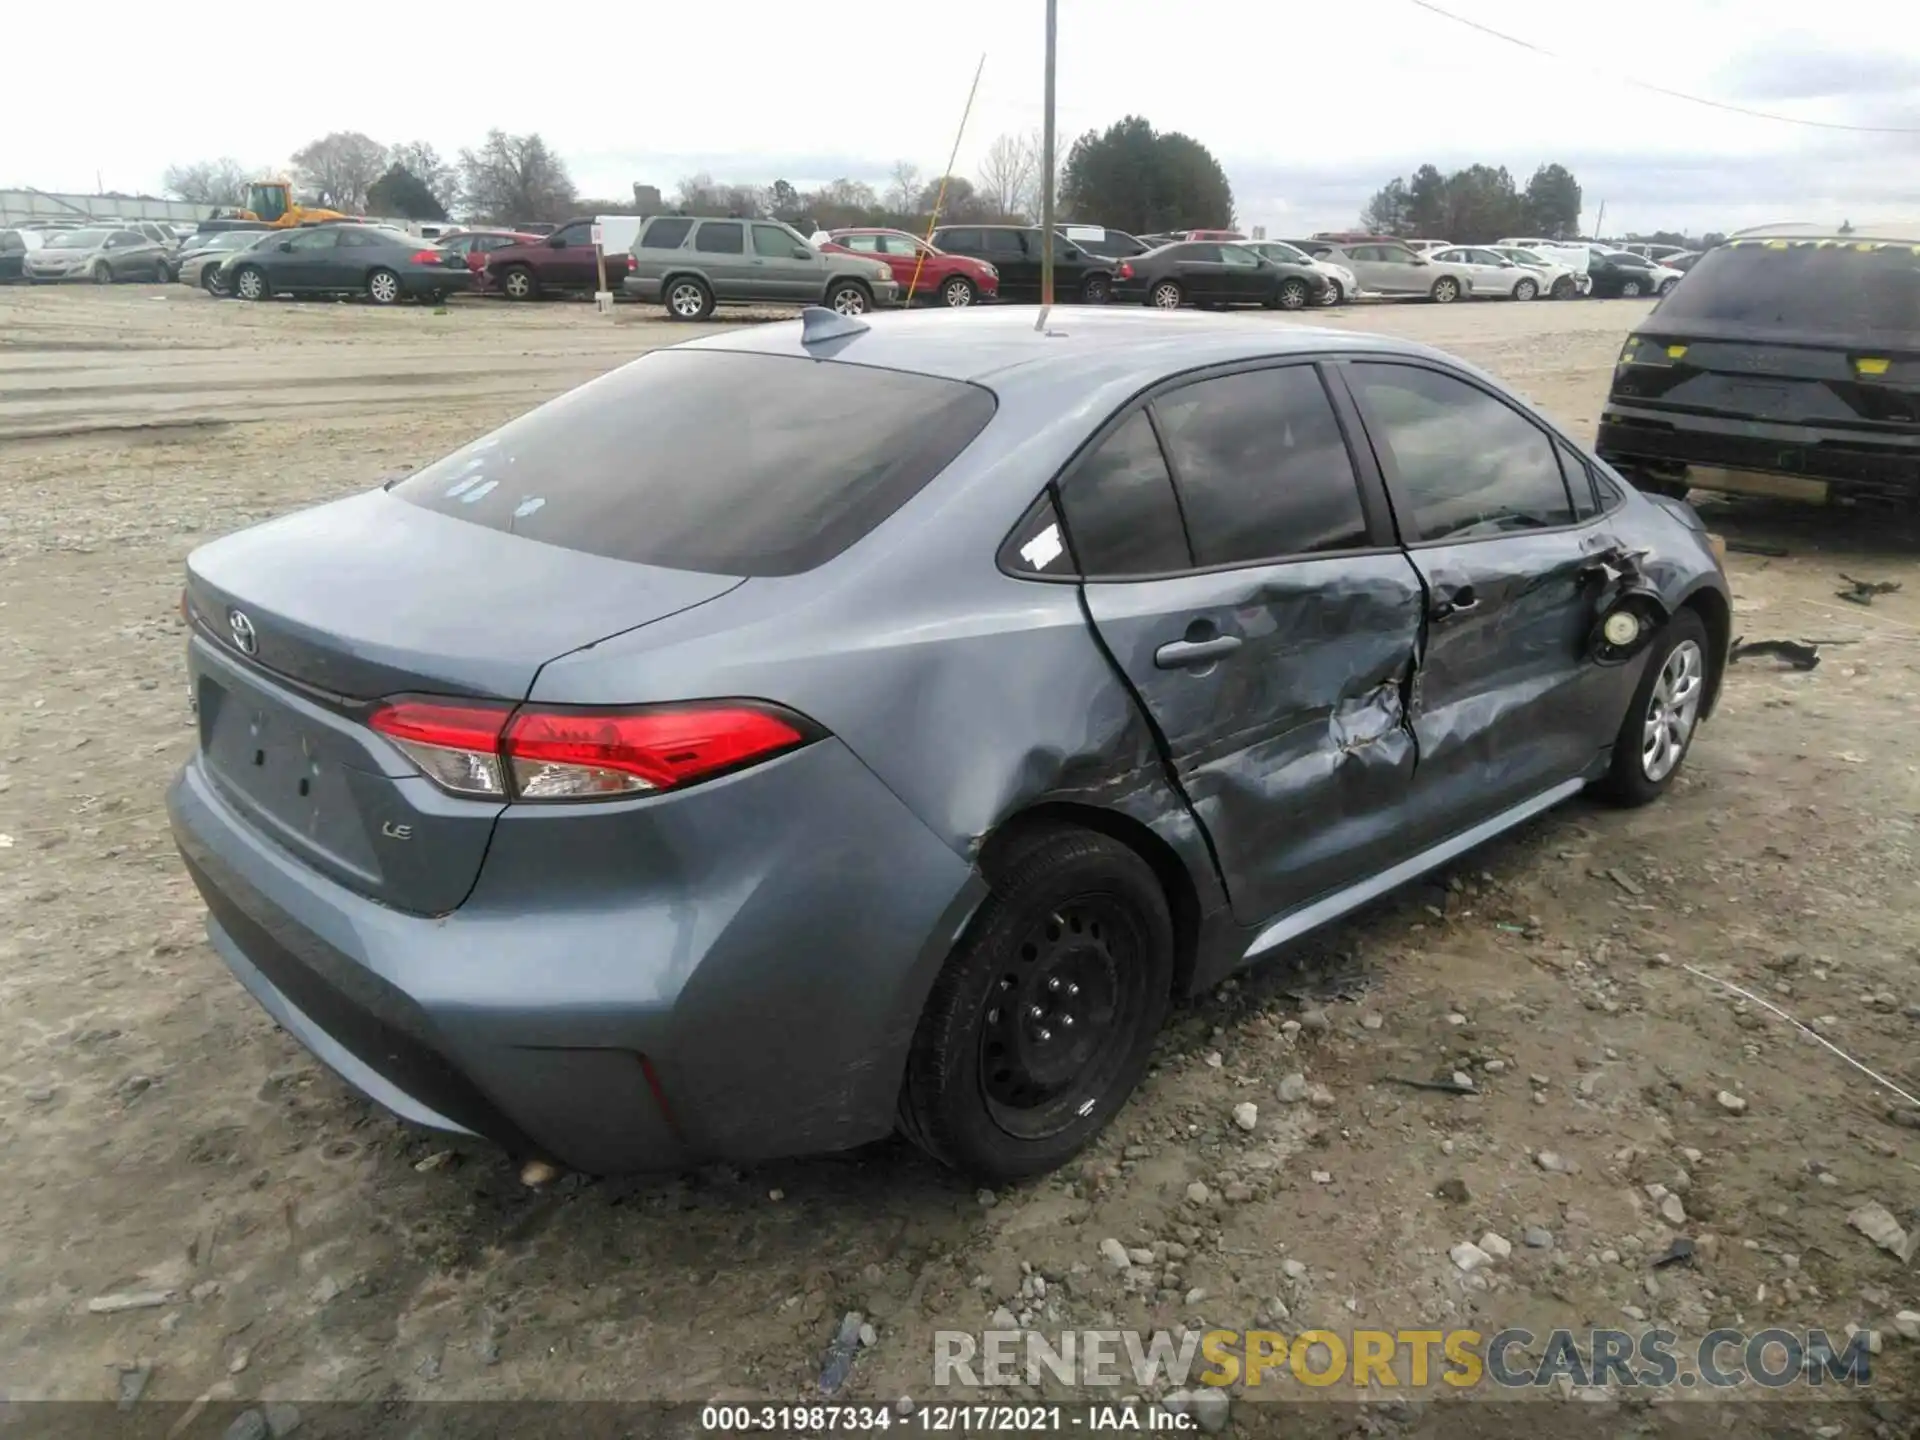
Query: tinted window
[[1839, 290], [578, 233], [1120, 510], [313, 240], [667, 233], [1469, 465], [865, 244], [1263, 470], [1006, 242], [773, 242], [1235, 255], [1199, 254], [966, 242], [634, 466], [369, 240], [11, 243], [720, 239]]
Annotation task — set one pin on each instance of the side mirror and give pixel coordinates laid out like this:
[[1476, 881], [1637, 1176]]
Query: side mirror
[[556, 242], [805, 252], [285, 245], [1421, 260]]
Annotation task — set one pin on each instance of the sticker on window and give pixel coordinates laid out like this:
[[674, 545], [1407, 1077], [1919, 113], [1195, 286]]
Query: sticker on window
[[1043, 549]]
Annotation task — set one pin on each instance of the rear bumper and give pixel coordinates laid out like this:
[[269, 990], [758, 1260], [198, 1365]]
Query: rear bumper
[[1668, 441], [679, 979]]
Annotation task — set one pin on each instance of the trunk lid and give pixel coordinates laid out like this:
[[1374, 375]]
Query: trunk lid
[[1718, 370], [300, 625]]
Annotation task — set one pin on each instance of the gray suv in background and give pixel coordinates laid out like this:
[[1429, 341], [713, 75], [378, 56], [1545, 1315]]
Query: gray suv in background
[[691, 265]]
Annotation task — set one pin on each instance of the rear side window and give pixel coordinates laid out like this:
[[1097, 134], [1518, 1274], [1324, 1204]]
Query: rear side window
[[1581, 484], [1262, 469], [1468, 465], [1120, 510], [966, 242], [728, 463], [1847, 291], [1006, 242], [667, 233], [720, 239]]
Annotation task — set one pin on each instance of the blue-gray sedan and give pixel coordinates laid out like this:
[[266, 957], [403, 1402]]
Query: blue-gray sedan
[[840, 725]]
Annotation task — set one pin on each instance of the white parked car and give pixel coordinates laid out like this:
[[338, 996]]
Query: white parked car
[[1489, 273], [1427, 247], [1665, 277], [1570, 253], [1341, 285], [1387, 267], [1557, 281]]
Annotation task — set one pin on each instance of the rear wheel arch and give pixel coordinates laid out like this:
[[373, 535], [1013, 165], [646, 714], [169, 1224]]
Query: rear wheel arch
[[1714, 612], [1026, 828]]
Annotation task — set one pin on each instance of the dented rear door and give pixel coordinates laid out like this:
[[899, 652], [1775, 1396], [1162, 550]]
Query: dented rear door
[[1250, 594]]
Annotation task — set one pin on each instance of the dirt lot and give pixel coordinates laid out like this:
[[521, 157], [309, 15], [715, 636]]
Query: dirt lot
[[159, 1134]]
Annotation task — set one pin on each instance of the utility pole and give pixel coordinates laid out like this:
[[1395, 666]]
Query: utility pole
[[1046, 173]]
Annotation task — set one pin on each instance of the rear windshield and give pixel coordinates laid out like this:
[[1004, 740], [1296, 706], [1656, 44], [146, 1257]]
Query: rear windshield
[[1846, 290], [723, 462]]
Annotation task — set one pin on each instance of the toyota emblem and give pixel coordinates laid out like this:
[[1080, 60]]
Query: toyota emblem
[[244, 639]]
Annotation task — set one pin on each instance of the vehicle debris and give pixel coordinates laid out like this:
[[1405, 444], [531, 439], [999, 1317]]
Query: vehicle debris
[[129, 1300], [1444, 1087], [1797, 654], [1679, 1252], [1754, 547], [1861, 592], [839, 1361]]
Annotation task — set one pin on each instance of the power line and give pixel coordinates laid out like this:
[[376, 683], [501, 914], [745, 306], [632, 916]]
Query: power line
[[1663, 90]]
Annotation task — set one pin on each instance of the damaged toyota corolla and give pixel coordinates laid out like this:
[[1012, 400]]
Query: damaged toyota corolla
[[843, 725]]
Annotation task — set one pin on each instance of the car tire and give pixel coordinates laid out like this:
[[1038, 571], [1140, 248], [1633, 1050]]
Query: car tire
[[517, 282], [1096, 290], [383, 286], [1291, 294], [958, 293], [687, 298], [1665, 713], [1166, 295], [849, 297], [1445, 290], [1564, 288], [1666, 287], [1076, 931], [1630, 290], [1526, 290], [250, 283], [101, 274], [1334, 294]]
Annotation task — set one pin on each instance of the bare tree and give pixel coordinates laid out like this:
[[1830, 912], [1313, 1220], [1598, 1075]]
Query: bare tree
[[1007, 174], [419, 158], [1029, 202], [221, 182], [701, 194], [905, 186], [339, 168], [515, 179]]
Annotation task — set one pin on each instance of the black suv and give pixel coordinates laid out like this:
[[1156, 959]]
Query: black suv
[[1788, 363], [1014, 250]]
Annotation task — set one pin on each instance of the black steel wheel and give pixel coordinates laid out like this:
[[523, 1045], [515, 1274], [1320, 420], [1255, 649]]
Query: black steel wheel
[[1042, 1022]]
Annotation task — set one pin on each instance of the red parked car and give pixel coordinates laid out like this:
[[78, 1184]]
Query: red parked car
[[942, 278], [536, 265], [477, 244]]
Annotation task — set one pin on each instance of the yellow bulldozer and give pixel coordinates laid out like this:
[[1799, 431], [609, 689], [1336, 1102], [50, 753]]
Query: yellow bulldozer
[[270, 203]]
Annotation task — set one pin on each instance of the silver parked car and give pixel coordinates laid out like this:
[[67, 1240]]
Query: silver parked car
[[1491, 273], [100, 255], [691, 265], [1389, 268]]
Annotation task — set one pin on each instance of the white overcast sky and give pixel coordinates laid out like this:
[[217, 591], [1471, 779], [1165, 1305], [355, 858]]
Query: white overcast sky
[[1309, 108]]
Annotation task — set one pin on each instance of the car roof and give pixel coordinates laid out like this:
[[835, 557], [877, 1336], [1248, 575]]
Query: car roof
[[1083, 350], [1898, 230]]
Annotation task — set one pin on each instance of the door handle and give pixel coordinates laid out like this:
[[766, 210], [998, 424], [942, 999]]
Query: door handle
[[1184, 654], [1458, 601]]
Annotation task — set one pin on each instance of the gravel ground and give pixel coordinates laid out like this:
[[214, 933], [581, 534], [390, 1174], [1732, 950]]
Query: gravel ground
[[158, 1134]]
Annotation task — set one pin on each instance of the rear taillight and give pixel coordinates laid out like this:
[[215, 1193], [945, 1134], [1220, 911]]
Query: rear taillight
[[493, 751], [429, 257], [1125, 272]]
